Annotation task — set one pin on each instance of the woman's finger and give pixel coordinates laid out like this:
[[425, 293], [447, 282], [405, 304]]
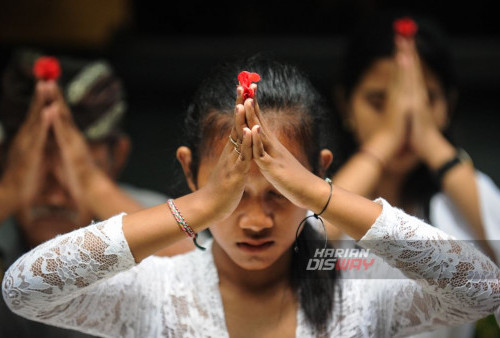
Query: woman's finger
[[60, 132], [58, 97], [66, 133], [246, 146], [417, 69], [41, 96], [239, 95], [40, 134], [250, 115], [30, 144], [239, 124], [257, 144], [257, 110]]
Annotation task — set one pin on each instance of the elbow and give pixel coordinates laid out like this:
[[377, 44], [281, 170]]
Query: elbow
[[16, 299], [11, 296]]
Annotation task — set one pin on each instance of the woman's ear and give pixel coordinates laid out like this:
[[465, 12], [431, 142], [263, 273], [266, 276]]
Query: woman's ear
[[184, 156], [325, 160]]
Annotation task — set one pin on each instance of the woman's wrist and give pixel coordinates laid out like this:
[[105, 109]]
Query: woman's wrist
[[204, 205], [156, 228], [461, 157], [373, 156], [381, 148], [436, 150], [315, 195]]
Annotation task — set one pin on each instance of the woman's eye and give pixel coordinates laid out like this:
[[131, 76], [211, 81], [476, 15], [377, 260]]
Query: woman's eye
[[276, 195], [433, 96], [376, 101]]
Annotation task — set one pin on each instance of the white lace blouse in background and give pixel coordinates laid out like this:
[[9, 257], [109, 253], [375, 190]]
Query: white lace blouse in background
[[88, 280]]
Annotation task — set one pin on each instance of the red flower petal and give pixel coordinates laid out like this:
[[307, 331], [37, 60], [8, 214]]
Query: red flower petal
[[246, 78], [405, 27], [254, 77], [47, 68]]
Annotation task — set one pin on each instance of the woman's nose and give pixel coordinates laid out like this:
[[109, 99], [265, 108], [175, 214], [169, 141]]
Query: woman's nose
[[255, 216]]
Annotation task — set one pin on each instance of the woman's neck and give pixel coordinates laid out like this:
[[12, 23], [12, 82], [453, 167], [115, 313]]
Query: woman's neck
[[275, 276]]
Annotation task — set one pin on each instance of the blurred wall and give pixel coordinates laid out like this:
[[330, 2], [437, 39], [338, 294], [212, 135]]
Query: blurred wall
[[69, 23]]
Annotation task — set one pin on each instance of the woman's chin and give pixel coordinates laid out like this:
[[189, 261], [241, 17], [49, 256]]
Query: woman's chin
[[254, 263]]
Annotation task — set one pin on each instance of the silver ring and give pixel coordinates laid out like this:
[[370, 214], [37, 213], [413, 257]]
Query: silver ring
[[235, 144]]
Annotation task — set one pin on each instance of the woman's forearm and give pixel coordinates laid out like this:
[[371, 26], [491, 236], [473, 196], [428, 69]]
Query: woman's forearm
[[362, 172], [153, 229], [349, 212], [105, 198], [458, 183]]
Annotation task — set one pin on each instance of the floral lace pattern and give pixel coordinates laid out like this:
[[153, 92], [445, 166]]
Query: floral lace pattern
[[88, 280]]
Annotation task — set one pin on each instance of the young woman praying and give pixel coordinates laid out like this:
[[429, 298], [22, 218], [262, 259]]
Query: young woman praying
[[255, 168]]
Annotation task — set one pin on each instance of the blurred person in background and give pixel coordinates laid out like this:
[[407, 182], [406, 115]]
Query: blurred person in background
[[62, 148], [396, 97]]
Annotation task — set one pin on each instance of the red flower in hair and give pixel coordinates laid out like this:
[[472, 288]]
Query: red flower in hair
[[405, 27], [246, 78], [47, 68]]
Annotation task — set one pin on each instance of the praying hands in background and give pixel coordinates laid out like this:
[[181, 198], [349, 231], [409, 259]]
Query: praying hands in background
[[50, 151]]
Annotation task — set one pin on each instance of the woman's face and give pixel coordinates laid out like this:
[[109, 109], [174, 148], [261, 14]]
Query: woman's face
[[262, 228], [366, 108]]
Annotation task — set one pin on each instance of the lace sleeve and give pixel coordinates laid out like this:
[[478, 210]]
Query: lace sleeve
[[453, 282], [60, 281]]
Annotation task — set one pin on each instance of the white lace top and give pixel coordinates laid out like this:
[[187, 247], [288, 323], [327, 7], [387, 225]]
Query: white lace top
[[87, 280]]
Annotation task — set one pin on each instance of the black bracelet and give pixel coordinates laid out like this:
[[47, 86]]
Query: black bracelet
[[317, 216], [460, 157]]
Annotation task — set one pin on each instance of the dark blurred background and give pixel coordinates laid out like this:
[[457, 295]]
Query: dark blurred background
[[163, 49]]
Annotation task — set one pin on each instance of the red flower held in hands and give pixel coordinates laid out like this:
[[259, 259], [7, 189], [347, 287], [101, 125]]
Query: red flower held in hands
[[47, 68], [405, 27], [246, 78]]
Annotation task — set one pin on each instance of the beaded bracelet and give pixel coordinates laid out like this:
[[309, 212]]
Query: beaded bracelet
[[182, 223]]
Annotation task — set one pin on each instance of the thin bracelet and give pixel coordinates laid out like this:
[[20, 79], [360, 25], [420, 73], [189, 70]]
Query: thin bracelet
[[374, 156], [317, 216], [461, 156], [182, 223]]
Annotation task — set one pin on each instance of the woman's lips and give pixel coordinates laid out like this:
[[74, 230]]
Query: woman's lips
[[254, 246]]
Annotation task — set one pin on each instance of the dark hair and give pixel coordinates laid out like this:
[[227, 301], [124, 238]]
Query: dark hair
[[287, 97], [372, 40], [91, 89]]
